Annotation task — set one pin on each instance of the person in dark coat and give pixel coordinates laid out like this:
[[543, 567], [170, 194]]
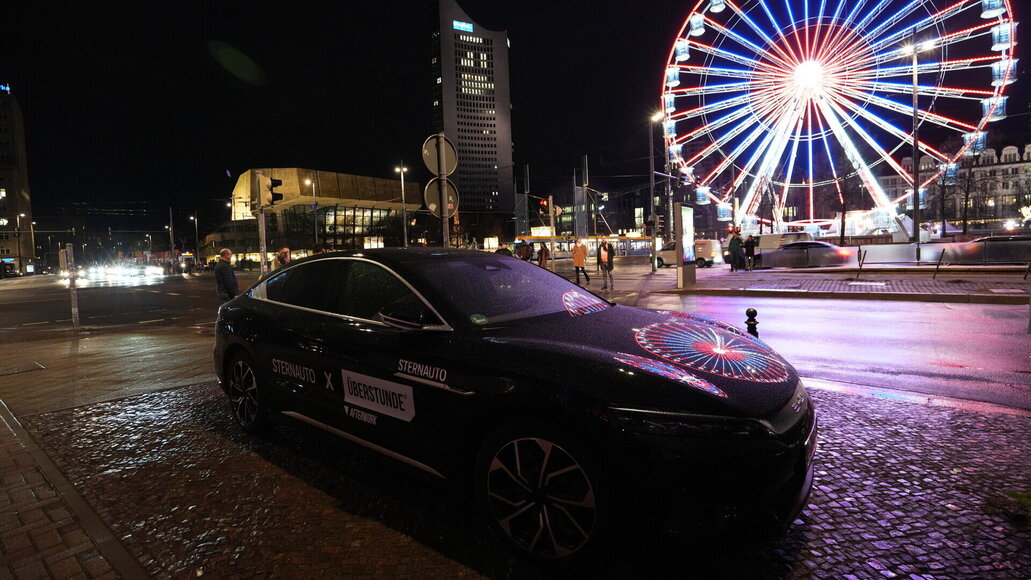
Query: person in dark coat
[[503, 250], [606, 255], [226, 286], [749, 247], [734, 247]]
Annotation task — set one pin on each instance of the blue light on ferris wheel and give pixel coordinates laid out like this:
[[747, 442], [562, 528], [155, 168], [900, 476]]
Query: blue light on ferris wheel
[[701, 195], [923, 198], [996, 106], [717, 6], [670, 101], [949, 172], [697, 25], [682, 50], [977, 140], [1004, 72], [673, 76], [723, 212], [1002, 35], [992, 8]]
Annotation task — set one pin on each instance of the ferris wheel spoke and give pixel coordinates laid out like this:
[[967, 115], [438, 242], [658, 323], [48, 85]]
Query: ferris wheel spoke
[[852, 153], [923, 90], [785, 60], [923, 115], [730, 56], [887, 127], [773, 147], [730, 103], [931, 22]]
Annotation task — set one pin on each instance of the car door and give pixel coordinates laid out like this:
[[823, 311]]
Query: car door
[[295, 313], [388, 388]]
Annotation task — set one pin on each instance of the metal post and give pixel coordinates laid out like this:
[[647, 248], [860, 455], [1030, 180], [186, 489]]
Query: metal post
[[404, 209], [70, 253], [442, 188], [171, 240], [196, 239], [262, 236], [551, 251], [651, 191], [916, 156], [17, 234]]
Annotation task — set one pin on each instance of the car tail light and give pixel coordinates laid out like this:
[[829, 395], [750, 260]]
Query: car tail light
[[844, 252]]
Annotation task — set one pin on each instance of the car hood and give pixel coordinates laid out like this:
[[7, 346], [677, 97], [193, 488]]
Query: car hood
[[656, 359]]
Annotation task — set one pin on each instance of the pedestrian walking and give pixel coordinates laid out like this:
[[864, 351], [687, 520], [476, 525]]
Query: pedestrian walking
[[282, 258], [734, 246], [543, 255], [580, 261], [749, 247], [503, 250], [524, 251], [605, 257], [318, 249], [226, 286]]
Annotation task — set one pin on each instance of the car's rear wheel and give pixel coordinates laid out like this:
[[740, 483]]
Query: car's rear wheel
[[700, 262], [659, 262], [543, 491], [244, 395]]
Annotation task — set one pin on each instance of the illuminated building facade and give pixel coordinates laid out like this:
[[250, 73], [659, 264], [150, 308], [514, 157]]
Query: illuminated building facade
[[16, 231], [472, 107]]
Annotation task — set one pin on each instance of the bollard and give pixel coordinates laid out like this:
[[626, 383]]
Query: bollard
[[751, 322]]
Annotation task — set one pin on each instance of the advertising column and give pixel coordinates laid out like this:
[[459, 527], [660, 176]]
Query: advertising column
[[683, 232]]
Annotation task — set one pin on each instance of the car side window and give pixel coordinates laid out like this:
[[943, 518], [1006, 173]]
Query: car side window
[[370, 287], [306, 285]]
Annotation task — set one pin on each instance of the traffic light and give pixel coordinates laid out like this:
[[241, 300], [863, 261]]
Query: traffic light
[[273, 184], [268, 193], [544, 206]]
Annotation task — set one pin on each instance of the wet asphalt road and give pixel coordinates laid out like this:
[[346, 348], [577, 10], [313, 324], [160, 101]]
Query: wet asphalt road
[[902, 490]]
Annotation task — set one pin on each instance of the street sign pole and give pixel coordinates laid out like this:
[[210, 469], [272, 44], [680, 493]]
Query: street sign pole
[[442, 189]]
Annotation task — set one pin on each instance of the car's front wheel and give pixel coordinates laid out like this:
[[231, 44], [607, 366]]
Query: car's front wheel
[[659, 263], [542, 489], [244, 395]]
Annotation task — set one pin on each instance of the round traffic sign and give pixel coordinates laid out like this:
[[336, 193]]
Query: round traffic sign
[[432, 149], [431, 197]]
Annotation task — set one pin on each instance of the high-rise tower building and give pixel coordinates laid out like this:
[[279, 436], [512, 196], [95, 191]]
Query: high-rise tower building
[[16, 231], [471, 107]]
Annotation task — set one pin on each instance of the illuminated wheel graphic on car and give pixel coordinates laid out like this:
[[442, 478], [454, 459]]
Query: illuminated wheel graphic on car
[[578, 304], [711, 349], [671, 372]]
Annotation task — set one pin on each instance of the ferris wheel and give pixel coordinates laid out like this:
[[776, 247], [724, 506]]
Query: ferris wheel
[[768, 99]]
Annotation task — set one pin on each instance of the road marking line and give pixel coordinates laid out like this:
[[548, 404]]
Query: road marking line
[[35, 323], [149, 321], [173, 293]]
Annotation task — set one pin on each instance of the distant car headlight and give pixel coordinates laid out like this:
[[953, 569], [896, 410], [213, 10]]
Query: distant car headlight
[[154, 271], [677, 424]]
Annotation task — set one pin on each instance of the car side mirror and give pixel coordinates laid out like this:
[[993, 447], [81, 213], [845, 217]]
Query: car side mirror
[[403, 316]]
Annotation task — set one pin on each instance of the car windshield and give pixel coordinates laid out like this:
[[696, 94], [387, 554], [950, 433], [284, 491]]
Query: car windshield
[[492, 288]]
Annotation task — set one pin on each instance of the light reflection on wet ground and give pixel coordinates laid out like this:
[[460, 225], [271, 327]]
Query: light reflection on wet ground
[[901, 489]]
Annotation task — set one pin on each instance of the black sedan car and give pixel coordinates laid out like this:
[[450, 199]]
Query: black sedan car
[[566, 414]]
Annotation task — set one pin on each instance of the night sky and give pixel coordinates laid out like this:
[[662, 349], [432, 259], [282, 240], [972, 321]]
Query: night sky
[[155, 102]]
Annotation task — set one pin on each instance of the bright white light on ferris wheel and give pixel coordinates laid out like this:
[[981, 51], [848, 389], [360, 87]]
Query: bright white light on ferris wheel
[[809, 75]]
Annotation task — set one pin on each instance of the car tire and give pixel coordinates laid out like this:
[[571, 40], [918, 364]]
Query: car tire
[[242, 388], [659, 262], [543, 491], [700, 262]]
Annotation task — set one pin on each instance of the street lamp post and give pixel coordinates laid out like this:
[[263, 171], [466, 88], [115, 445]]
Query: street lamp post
[[651, 186], [17, 232], [196, 241], [914, 49], [314, 206], [401, 169]]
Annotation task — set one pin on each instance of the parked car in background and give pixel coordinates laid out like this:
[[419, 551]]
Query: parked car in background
[[995, 249], [806, 254], [706, 252]]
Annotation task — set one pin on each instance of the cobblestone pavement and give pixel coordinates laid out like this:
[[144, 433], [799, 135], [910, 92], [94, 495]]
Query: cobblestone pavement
[[902, 490]]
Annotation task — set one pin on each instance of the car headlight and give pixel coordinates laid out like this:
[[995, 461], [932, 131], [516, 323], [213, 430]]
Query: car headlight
[[678, 424]]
